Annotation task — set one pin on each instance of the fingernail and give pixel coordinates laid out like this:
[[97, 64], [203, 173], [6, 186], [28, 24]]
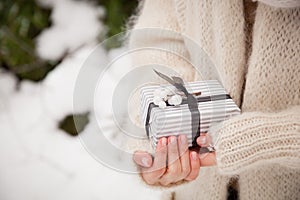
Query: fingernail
[[164, 142], [183, 139], [172, 139], [194, 155], [202, 140], [145, 162]]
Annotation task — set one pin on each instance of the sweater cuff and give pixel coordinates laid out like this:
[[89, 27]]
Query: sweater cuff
[[255, 138]]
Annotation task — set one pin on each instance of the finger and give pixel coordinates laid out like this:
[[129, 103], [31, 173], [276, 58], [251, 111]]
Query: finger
[[142, 159], [195, 166], [151, 175], [208, 159], [204, 140], [173, 153], [160, 159], [173, 173], [184, 156]]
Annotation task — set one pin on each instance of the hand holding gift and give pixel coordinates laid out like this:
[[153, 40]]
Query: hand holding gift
[[188, 110], [173, 161]]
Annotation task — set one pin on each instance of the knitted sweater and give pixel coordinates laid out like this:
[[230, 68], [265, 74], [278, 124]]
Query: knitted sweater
[[260, 147]]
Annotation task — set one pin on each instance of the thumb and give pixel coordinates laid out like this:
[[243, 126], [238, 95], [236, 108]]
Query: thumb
[[143, 159], [203, 140]]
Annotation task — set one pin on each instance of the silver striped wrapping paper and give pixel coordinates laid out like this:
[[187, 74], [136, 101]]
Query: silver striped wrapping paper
[[175, 120]]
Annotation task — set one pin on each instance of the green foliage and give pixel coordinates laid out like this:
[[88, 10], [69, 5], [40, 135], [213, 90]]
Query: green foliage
[[68, 123], [117, 13], [20, 22]]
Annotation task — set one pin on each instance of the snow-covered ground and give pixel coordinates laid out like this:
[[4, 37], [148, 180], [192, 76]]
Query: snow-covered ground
[[39, 161]]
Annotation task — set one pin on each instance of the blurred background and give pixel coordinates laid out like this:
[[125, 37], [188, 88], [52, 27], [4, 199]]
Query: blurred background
[[43, 44]]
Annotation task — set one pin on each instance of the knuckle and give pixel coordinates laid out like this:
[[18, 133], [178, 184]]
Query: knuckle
[[165, 182], [189, 179], [158, 173], [174, 171], [147, 179], [150, 182]]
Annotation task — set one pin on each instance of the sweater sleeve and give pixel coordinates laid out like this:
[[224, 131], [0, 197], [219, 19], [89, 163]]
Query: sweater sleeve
[[255, 138], [156, 39], [281, 3]]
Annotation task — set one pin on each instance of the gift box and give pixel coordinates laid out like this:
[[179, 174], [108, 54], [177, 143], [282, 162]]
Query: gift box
[[168, 111]]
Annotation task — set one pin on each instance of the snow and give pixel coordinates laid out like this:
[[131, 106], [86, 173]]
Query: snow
[[58, 86], [75, 23], [39, 161]]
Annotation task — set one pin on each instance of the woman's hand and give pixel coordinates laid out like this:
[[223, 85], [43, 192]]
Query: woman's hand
[[173, 162], [206, 159]]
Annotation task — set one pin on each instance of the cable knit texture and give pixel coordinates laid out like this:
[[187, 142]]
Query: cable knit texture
[[262, 145]]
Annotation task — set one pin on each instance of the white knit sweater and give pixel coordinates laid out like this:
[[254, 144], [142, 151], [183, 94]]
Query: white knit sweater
[[260, 147]]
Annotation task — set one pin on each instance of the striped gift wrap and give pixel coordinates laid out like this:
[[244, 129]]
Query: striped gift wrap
[[214, 105]]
